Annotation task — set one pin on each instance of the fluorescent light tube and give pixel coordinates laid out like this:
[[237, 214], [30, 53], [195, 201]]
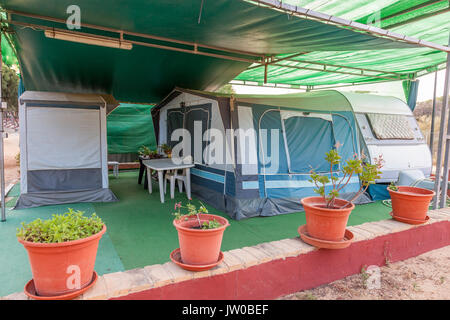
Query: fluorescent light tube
[[89, 39]]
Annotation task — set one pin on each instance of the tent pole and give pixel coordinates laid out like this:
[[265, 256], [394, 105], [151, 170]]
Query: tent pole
[[2, 160], [446, 137], [442, 139], [433, 116]]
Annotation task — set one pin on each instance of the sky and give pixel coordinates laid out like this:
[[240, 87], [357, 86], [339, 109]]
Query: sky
[[426, 87]]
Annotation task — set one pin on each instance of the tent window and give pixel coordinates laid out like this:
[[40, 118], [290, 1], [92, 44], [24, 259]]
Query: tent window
[[174, 121], [390, 126], [308, 139], [197, 115]]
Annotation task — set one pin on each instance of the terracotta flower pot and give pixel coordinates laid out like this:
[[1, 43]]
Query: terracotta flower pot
[[411, 202], [325, 223], [197, 246], [57, 266]]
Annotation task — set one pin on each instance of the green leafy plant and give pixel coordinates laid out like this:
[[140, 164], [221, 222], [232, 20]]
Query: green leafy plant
[[72, 225], [393, 187], [367, 172], [192, 211], [166, 149], [364, 276], [145, 151]]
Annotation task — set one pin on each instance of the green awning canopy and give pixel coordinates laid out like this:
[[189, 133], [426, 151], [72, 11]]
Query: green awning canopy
[[211, 42], [205, 44], [424, 19]]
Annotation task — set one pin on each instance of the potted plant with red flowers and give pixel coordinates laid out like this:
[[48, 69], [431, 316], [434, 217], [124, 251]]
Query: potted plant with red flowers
[[327, 215], [62, 252], [410, 204], [200, 237]]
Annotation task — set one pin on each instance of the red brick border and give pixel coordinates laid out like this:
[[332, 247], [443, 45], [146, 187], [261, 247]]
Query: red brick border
[[279, 277], [273, 269]]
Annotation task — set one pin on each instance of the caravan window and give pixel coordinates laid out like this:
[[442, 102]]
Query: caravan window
[[390, 126], [308, 137]]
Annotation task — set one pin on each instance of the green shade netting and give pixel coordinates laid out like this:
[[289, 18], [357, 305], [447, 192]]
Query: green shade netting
[[130, 126], [422, 19], [146, 74], [8, 54]]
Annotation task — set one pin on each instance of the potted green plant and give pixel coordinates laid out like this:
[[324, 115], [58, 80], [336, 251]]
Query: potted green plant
[[167, 150], [199, 234], [410, 204], [327, 215], [62, 251], [145, 152]]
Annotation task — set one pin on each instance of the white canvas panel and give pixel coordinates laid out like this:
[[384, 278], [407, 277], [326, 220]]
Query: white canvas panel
[[63, 138], [247, 153], [376, 104]]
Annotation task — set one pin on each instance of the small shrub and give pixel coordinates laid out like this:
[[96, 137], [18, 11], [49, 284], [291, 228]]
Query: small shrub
[[193, 211], [393, 187], [65, 227], [367, 173]]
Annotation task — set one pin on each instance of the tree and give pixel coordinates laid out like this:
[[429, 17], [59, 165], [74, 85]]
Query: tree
[[228, 89], [10, 87]]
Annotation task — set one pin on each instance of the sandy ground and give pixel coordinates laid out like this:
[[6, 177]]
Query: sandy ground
[[11, 145], [425, 277]]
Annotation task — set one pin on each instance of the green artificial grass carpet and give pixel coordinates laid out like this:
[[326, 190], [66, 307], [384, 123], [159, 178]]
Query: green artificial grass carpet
[[140, 230]]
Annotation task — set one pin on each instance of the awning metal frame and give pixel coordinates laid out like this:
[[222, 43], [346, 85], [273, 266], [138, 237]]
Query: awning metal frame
[[344, 23], [406, 76], [249, 57], [187, 46]]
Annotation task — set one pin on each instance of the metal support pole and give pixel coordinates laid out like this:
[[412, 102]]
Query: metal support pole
[[442, 139], [2, 154], [447, 137], [266, 66], [433, 116]]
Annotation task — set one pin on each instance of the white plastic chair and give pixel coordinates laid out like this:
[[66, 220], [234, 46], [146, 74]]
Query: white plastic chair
[[180, 178]]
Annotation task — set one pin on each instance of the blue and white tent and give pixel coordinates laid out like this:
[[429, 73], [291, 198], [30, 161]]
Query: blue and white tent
[[273, 142]]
